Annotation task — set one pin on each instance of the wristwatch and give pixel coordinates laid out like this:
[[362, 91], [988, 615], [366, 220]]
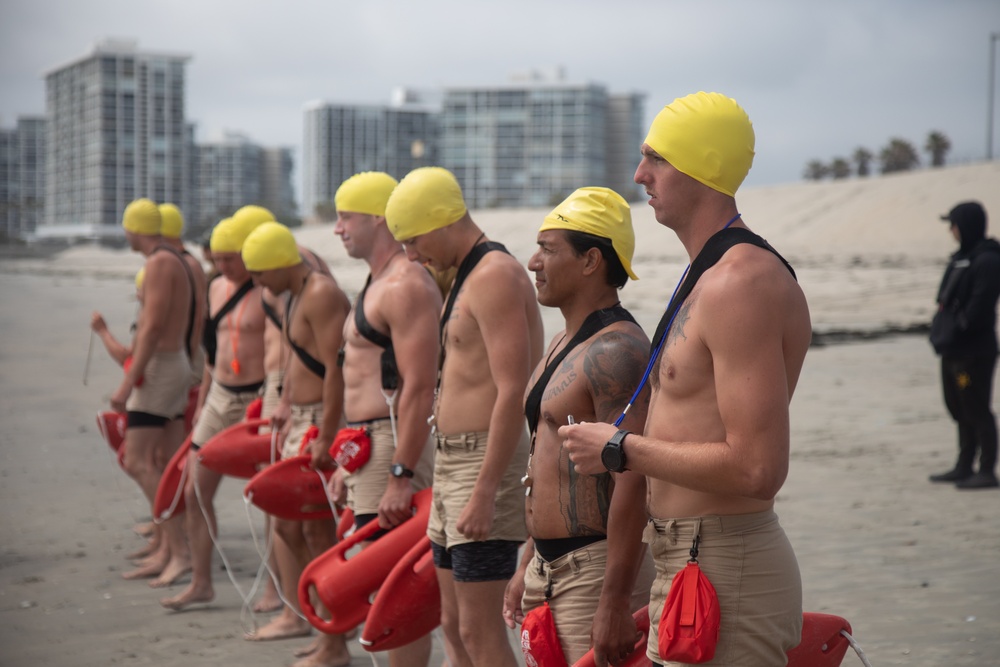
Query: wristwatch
[[613, 456], [399, 470]]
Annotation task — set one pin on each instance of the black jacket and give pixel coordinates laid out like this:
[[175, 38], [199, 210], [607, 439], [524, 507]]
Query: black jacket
[[965, 324]]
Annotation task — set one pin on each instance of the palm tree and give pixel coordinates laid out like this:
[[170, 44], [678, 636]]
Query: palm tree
[[899, 155], [938, 146], [840, 168], [863, 158], [815, 171]]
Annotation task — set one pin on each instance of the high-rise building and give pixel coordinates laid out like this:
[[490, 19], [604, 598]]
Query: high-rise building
[[228, 177], [276, 191], [116, 131], [342, 140], [534, 140], [233, 172], [22, 177]]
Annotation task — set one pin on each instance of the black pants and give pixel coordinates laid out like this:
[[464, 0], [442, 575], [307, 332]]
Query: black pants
[[968, 393]]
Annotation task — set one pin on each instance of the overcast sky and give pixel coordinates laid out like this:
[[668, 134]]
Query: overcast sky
[[818, 79]]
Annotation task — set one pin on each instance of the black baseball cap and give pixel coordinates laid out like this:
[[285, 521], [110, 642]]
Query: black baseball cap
[[968, 212]]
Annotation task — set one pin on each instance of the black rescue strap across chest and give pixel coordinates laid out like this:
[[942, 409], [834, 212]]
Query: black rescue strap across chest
[[464, 269], [209, 338], [309, 361], [390, 371], [716, 246], [714, 249], [271, 313], [191, 307], [597, 320]]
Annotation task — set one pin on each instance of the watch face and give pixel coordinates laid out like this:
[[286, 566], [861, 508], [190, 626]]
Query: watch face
[[611, 457]]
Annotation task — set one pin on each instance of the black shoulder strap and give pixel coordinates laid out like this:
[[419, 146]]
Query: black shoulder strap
[[233, 300], [191, 307], [364, 327], [269, 310], [713, 251], [464, 269], [597, 320]]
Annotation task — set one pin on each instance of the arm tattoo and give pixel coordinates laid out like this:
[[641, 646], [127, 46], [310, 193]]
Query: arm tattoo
[[588, 496], [614, 365]]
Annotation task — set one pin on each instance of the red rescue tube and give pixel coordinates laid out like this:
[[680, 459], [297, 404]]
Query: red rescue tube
[[170, 493], [112, 427], [238, 451], [291, 490], [127, 366], [407, 605], [345, 586]]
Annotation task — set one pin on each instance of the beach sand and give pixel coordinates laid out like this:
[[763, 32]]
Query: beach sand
[[913, 566]]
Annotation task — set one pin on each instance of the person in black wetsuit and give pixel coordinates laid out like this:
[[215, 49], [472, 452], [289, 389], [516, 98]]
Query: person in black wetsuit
[[964, 334], [313, 384], [589, 373], [390, 366]]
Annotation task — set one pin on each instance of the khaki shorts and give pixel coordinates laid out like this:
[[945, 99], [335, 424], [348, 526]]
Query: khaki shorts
[[222, 409], [165, 383], [302, 417], [271, 397], [457, 463], [365, 487], [577, 579], [752, 566]]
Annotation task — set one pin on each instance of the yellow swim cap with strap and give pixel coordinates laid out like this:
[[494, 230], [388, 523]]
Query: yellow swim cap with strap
[[428, 198], [142, 217], [365, 193], [707, 136], [601, 212], [270, 246], [173, 221]]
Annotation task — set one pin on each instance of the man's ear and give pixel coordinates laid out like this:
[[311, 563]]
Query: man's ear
[[594, 259]]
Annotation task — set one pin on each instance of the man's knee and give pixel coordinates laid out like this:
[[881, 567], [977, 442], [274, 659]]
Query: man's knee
[[290, 532]]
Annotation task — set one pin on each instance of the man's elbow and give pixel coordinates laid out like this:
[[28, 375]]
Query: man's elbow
[[762, 481]]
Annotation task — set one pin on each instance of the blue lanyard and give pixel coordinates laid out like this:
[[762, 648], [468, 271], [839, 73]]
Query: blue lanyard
[[659, 344]]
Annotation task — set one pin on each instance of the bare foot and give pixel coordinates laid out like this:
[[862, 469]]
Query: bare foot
[[309, 649], [269, 601], [175, 569], [145, 551], [188, 597], [151, 568], [144, 529], [331, 651], [286, 626]]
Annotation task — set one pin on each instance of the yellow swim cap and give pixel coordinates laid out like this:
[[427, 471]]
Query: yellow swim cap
[[366, 193], [225, 237], [428, 198], [142, 217], [707, 136], [601, 212], [139, 277], [270, 246], [249, 218], [173, 221]]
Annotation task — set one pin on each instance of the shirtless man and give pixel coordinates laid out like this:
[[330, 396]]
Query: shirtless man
[[716, 444], [590, 371], [159, 352], [390, 368], [276, 352], [234, 374], [492, 339], [173, 226], [314, 387]]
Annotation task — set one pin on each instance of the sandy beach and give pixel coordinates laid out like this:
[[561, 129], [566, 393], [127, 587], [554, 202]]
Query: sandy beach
[[913, 566]]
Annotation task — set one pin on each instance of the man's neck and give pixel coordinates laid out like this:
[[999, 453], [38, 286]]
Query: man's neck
[[297, 276], [704, 225], [382, 254], [583, 305], [466, 238]]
